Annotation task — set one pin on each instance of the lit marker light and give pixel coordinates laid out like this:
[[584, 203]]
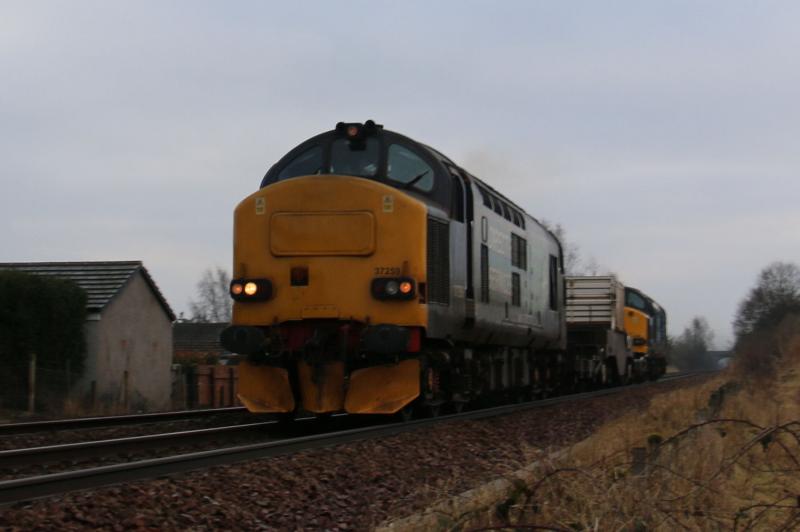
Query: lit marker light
[[405, 287], [352, 131], [250, 289], [237, 289]]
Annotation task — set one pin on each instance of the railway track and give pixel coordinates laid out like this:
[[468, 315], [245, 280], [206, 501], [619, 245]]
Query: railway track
[[22, 489], [29, 427], [18, 458]]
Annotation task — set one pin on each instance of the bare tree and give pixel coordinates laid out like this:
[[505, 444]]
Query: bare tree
[[776, 294], [690, 350], [213, 303], [572, 256], [574, 264]]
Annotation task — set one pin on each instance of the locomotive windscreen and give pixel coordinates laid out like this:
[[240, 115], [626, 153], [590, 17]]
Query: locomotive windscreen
[[368, 151], [358, 158]]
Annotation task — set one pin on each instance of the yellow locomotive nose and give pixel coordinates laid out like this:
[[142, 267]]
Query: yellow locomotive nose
[[339, 254], [369, 231]]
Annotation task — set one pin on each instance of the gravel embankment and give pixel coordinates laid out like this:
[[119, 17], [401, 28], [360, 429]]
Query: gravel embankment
[[352, 486]]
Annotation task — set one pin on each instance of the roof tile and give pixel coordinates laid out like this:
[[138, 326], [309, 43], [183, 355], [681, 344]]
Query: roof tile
[[100, 280]]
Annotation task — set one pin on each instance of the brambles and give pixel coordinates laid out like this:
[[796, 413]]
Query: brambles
[[730, 458]]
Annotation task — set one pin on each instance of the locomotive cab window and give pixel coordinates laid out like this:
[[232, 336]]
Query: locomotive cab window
[[358, 158], [408, 168], [369, 152], [633, 299], [307, 163]]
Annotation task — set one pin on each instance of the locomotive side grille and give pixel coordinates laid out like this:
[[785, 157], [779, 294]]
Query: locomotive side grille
[[484, 274], [515, 290], [438, 261]]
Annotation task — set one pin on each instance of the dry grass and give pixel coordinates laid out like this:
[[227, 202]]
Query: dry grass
[[722, 455]]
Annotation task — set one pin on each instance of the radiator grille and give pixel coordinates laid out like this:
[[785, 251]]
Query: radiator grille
[[438, 261]]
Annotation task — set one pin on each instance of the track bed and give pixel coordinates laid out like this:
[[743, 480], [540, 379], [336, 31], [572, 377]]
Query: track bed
[[350, 486]]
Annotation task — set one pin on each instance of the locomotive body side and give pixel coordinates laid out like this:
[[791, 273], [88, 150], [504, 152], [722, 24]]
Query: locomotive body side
[[519, 275], [510, 294]]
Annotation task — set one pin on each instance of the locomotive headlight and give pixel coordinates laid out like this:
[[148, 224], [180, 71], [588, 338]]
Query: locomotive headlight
[[250, 288], [391, 288]]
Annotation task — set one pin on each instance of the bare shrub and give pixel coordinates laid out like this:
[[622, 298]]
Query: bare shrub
[[723, 455], [759, 355]]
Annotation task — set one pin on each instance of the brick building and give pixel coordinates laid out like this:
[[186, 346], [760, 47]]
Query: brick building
[[204, 378]]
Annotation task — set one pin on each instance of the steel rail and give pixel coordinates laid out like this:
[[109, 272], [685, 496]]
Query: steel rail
[[15, 458], [26, 427], [24, 489]]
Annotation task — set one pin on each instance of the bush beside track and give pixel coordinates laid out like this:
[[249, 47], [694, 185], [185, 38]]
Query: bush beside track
[[42, 316]]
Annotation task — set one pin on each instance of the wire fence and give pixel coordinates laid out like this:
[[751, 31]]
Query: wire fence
[[32, 387], [36, 386]]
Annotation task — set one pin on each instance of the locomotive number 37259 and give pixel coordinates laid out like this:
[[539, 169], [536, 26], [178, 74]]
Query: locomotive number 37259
[[387, 270]]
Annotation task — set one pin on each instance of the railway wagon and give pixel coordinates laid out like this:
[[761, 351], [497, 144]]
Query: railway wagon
[[615, 333], [372, 273]]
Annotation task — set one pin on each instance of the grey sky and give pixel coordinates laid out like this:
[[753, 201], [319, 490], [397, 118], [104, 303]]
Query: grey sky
[[662, 136]]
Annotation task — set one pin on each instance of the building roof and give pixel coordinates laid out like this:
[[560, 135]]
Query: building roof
[[101, 281], [190, 336]]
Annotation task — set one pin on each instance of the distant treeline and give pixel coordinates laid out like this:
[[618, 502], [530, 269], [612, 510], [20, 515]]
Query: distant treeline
[[773, 300]]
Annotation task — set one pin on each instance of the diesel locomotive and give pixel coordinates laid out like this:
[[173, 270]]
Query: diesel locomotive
[[615, 333], [371, 274]]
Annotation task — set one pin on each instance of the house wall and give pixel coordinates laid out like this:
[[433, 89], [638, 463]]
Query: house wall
[[129, 352]]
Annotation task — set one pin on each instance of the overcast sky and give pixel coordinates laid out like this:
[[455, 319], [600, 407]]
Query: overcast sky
[[662, 135]]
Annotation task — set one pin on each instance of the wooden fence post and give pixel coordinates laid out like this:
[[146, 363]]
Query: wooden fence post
[[32, 384], [69, 378]]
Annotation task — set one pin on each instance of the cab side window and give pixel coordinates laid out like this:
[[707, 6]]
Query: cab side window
[[409, 169], [635, 300]]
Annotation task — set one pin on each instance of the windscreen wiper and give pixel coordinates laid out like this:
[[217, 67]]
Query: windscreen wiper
[[415, 180]]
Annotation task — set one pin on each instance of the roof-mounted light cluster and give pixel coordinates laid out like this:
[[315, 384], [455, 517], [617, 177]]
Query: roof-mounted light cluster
[[357, 130]]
